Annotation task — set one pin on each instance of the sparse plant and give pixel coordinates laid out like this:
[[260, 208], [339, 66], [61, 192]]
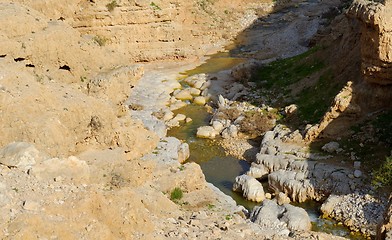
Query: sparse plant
[[155, 6], [112, 5], [383, 175], [211, 206], [176, 194]]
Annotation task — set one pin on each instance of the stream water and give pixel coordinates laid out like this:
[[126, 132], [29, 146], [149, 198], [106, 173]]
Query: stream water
[[220, 169]]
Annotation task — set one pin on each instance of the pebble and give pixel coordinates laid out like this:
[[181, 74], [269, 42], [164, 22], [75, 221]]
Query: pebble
[[31, 205], [357, 173], [188, 120]]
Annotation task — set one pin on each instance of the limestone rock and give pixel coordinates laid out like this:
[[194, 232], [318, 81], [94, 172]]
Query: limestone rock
[[195, 92], [257, 171], [70, 169], [359, 212], [290, 109], [183, 152], [230, 132], [376, 39], [331, 147], [282, 198], [250, 187], [200, 100], [183, 95], [297, 219], [21, 155], [206, 132]]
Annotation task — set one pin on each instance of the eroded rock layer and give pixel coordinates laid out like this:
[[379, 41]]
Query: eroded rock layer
[[376, 39]]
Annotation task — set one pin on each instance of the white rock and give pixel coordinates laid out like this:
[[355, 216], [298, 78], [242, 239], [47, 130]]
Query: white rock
[[290, 109], [250, 188], [200, 100], [206, 132], [183, 95], [296, 218], [20, 154], [177, 105], [282, 198], [205, 85], [195, 91], [183, 152], [198, 84], [168, 115], [230, 132], [180, 117], [217, 125], [71, 169], [188, 120], [357, 173], [331, 147], [268, 196]]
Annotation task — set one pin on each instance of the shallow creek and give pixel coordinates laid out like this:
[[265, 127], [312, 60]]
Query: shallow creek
[[220, 169]]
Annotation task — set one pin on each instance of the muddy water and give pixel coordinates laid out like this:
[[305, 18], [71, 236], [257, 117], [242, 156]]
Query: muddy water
[[220, 169]]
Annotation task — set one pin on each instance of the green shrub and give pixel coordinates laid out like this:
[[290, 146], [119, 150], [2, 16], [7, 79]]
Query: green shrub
[[383, 175], [155, 6], [176, 194], [112, 5]]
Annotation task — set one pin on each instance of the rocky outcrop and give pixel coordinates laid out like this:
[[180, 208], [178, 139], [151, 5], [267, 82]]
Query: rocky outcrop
[[358, 211], [280, 220], [150, 30], [376, 39], [342, 104], [250, 187], [384, 229]]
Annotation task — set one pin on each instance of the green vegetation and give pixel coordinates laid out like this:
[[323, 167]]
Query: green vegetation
[[383, 125], [314, 101], [154, 6], [303, 80], [210, 206], [383, 175], [176, 194], [282, 73], [112, 5]]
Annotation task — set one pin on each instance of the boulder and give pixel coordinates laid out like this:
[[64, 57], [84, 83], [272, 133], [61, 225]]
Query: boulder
[[297, 219], [206, 132], [69, 169], [200, 100], [331, 147], [183, 95], [21, 155], [183, 152], [230, 132], [250, 188]]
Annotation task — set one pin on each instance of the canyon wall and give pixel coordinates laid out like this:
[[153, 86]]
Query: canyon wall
[[141, 30], [376, 39]]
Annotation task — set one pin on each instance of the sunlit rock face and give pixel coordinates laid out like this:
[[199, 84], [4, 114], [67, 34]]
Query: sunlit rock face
[[376, 39]]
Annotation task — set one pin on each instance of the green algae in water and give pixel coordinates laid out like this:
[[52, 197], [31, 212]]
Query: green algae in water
[[217, 62]]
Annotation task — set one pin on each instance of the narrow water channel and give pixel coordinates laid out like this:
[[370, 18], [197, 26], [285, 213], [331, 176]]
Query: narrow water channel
[[220, 169]]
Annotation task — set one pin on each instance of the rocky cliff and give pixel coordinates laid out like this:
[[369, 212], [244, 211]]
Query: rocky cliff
[[376, 39], [142, 30]]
